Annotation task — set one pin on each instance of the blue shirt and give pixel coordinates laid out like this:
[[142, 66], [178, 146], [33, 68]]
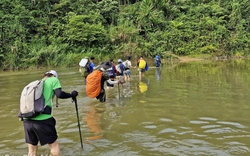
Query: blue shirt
[[91, 67]]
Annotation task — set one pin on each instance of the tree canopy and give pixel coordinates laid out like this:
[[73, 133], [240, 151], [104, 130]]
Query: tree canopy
[[61, 32]]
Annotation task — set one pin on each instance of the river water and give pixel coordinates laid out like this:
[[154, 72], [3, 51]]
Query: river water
[[185, 109]]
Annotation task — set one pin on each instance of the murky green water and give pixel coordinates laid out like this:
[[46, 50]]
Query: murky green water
[[196, 108]]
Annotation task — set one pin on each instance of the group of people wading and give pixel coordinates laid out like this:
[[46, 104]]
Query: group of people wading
[[41, 128]]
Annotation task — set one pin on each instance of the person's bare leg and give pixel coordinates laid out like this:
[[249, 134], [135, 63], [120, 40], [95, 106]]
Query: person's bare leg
[[128, 78], [55, 149], [125, 78], [32, 150]]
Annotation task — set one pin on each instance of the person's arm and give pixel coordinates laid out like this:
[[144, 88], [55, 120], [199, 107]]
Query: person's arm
[[114, 68], [61, 94], [138, 62], [112, 82], [130, 65]]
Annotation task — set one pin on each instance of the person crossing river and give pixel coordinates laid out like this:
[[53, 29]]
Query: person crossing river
[[96, 81], [127, 73], [42, 127], [142, 67]]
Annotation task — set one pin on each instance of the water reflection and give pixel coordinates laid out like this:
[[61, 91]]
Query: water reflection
[[158, 73], [93, 122], [127, 90], [143, 86]]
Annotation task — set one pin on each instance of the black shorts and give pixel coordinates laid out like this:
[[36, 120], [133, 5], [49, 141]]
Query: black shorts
[[102, 96], [42, 130], [142, 70]]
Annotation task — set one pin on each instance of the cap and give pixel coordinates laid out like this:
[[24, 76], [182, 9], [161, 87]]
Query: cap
[[119, 60], [53, 72], [106, 65]]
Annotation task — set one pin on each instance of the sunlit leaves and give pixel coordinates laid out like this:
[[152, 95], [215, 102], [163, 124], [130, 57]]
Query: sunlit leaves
[[123, 27], [81, 31]]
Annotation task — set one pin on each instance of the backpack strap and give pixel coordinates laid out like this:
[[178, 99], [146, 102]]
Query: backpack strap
[[48, 110]]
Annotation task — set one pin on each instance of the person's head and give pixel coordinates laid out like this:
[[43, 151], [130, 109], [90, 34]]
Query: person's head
[[119, 61], [156, 56], [51, 73], [106, 65], [111, 60], [92, 58], [141, 57], [128, 58]]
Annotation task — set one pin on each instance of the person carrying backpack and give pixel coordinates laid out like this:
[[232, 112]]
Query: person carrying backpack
[[96, 80], [157, 61], [112, 74], [91, 65], [41, 128], [127, 73], [84, 68], [120, 69], [87, 68], [142, 67]]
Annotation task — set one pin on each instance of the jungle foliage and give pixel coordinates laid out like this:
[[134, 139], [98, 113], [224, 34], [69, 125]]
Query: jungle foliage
[[61, 32]]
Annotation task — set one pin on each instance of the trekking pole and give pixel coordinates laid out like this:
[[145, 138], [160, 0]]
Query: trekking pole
[[119, 90], [78, 122]]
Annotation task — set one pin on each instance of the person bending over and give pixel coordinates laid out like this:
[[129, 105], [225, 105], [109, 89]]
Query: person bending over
[[105, 77]]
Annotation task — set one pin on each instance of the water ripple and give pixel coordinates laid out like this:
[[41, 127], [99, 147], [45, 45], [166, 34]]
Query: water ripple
[[221, 130], [232, 124], [168, 130], [199, 122], [208, 119]]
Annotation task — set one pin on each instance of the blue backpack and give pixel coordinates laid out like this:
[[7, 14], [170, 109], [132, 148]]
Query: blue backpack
[[120, 68], [146, 67], [111, 71], [157, 62]]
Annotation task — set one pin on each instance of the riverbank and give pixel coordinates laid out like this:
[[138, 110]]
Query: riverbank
[[189, 59]]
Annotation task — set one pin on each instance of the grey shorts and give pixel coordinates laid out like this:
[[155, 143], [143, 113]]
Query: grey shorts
[[43, 131], [127, 72]]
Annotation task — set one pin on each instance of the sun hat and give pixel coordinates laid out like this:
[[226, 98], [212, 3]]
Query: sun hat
[[106, 65], [53, 72]]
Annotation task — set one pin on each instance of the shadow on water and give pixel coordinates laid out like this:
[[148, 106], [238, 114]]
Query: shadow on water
[[197, 108]]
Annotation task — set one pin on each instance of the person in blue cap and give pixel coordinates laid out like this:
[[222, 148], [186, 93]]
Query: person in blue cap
[[157, 61]]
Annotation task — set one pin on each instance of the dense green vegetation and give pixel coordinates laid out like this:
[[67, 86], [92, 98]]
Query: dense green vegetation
[[61, 32]]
